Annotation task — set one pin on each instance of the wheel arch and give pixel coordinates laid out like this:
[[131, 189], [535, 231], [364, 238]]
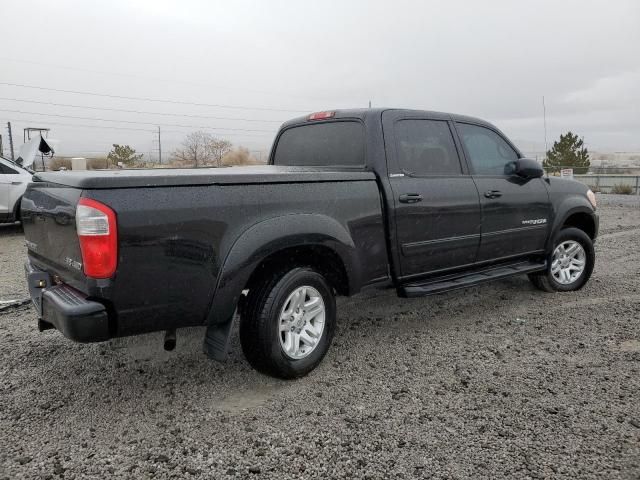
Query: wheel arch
[[574, 212], [315, 240], [583, 221]]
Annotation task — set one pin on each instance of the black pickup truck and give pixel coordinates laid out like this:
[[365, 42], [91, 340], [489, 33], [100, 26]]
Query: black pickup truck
[[419, 201]]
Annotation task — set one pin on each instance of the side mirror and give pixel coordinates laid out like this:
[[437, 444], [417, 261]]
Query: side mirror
[[528, 168]]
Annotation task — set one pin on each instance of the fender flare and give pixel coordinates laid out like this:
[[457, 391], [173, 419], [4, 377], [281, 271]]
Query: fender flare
[[568, 207], [265, 238]]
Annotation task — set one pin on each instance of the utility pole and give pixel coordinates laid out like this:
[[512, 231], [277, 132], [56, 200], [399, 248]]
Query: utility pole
[[369, 103], [159, 147], [13, 157], [544, 116]]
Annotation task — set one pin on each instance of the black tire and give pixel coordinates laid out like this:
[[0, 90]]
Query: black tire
[[259, 324], [546, 282]]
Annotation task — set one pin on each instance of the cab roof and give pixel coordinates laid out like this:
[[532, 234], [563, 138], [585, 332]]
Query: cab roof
[[373, 114]]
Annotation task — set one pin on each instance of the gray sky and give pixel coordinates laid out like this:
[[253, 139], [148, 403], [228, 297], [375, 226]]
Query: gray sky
[[279, 59]]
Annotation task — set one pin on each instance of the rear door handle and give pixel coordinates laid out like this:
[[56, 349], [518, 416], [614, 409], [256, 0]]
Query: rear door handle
[[16, 183], [410, 198], [493, 193]]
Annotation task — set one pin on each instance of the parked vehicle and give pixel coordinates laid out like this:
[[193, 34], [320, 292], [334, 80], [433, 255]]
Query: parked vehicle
[[419, 201], [13, 183]]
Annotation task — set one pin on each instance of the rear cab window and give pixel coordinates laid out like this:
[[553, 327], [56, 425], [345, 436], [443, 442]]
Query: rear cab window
[[335, 143]]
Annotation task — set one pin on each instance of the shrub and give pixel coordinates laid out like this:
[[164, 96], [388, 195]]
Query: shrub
[[622, 189], [57, 163], [239, 156], [98, 163]]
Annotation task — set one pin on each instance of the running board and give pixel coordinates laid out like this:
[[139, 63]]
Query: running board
[[468, 279]]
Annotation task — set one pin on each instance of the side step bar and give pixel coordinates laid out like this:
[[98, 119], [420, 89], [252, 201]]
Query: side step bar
[[468, 279]]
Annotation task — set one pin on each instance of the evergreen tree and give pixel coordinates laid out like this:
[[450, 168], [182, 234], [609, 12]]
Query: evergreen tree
[[568, 152], [124, 154]]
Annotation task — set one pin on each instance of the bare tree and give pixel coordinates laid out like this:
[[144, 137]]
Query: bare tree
[[195, 149], [200, 149], [218, 148]]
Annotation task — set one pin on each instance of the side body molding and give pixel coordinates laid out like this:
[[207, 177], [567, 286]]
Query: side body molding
[[270, 236]]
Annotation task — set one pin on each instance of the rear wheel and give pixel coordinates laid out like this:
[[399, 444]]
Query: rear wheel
[[288, 323], [570, 264]]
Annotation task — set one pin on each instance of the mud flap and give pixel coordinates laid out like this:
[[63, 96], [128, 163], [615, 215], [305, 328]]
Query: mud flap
[[216, 340]]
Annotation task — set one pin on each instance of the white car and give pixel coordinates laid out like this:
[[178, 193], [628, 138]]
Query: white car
[[13, 183]]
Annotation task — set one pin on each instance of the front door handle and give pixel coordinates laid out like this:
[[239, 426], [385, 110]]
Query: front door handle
[[493, 193], [410, 198]]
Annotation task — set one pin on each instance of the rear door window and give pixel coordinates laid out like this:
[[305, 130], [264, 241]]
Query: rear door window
[[426, 147], [321, 144]]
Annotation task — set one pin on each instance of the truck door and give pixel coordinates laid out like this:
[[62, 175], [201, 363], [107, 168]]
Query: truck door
[[516, 212], [437, 209]]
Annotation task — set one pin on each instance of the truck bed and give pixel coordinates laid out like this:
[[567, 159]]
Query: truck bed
[[179, 229], [165, 177]]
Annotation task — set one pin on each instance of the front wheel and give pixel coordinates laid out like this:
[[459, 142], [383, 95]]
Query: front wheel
[[288, 323], [570, 264]]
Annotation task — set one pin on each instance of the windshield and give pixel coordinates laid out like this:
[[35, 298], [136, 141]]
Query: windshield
[[15, 166]]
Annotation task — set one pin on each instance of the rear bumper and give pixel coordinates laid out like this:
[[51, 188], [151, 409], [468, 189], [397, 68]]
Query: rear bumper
[[67, 309]]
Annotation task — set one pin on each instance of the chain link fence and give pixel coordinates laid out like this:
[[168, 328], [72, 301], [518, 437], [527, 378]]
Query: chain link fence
[[605, 183], [608, 179]]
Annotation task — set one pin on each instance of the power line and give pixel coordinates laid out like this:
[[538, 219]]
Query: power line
[[100, 127], [90, 126], [134, 122], [155, 79], [149, 99], [137, 111]]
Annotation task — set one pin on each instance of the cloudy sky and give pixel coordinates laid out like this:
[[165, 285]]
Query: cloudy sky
[[239, 68]]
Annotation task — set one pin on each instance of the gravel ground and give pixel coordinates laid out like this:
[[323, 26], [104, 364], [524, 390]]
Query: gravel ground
[[498, 381]]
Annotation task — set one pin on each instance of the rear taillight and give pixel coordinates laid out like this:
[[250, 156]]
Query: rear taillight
[[98, 234]]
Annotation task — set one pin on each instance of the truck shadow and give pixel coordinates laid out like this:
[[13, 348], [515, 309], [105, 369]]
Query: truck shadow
[[138, 375]]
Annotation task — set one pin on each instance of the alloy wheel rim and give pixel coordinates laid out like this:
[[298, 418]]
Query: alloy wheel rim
[[568, 262], [301, 322]]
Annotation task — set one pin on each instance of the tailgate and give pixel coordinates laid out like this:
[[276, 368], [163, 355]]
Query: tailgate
[[48, 218]]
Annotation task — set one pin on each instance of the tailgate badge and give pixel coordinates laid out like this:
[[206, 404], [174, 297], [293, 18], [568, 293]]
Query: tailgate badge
[[73, 263]]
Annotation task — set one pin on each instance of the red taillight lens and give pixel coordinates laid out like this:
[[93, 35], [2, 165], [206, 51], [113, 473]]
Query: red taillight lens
[[98, 234]]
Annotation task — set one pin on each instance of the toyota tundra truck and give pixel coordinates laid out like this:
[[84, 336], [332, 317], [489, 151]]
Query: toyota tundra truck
[[418, 201]]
